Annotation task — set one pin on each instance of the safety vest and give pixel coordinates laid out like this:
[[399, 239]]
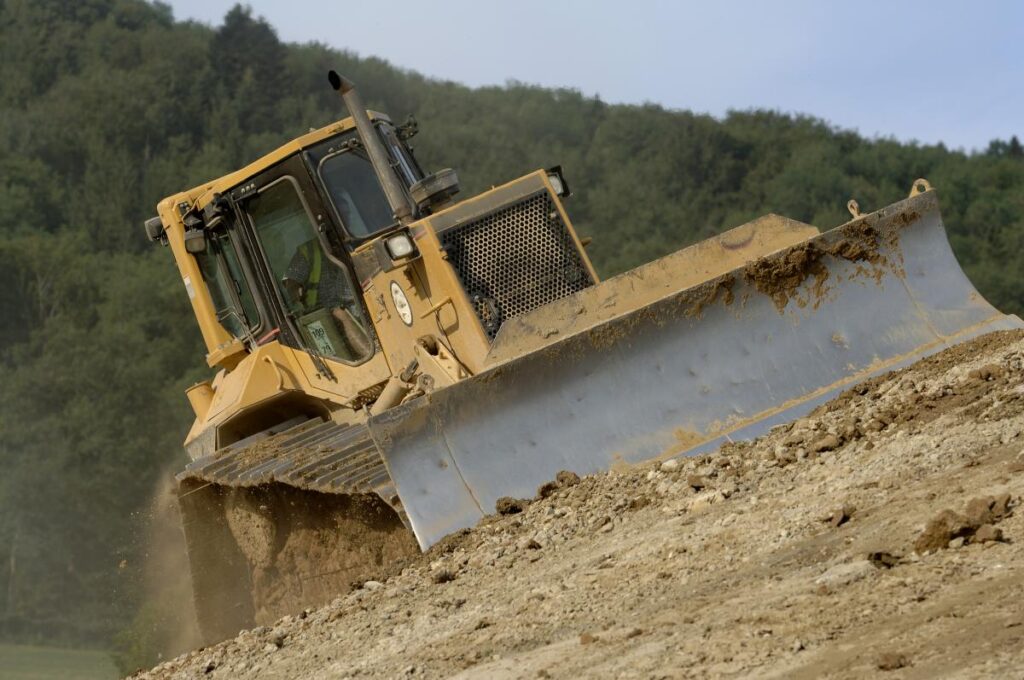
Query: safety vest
[[312, 253]]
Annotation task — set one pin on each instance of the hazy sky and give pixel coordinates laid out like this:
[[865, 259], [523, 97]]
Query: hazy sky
[[931, 71]]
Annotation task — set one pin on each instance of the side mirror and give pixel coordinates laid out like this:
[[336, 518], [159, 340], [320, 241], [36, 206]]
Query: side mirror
[[195, 241], [154, 229]]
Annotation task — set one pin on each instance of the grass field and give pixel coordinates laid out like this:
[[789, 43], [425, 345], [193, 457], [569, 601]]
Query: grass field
[[25, 662]]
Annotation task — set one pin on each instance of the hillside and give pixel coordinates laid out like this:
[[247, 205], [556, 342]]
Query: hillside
[[898, 552], [106, 106]]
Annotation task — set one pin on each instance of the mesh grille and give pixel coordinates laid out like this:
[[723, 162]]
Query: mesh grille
[[515, 260]]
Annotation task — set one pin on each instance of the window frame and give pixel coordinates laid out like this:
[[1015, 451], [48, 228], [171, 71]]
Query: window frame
[[318, 230], [334, 208], [215, 249]]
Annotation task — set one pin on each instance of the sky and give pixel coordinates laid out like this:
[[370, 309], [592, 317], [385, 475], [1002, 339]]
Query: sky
[[926, 71]]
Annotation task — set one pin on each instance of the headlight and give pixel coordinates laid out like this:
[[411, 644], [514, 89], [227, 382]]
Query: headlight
[[558, 182], [399, 246]]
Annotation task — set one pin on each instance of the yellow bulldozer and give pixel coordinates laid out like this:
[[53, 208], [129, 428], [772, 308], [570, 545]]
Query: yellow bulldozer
[[392, 361]]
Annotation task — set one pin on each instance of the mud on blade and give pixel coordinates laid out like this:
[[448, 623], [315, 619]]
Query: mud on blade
[[731, 357]]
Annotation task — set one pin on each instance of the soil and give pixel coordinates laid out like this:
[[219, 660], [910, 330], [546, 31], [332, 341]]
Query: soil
[[881, 536], [263, 552]]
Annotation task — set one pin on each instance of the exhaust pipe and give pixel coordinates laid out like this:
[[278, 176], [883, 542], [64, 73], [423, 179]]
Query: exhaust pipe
[[393, 189]]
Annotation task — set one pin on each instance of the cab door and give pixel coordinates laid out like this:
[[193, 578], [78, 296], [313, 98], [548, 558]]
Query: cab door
[[308, 277]]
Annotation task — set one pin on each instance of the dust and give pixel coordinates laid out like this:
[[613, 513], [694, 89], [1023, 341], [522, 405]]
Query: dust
[[164, 625]]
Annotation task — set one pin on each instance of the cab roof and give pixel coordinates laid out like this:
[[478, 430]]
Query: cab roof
[[202, 194]]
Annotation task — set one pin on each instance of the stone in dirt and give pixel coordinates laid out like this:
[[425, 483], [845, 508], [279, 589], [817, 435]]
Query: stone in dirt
[[987, 533], [840, 515], [506, 505], [891, 661], [566, 478], [947, 526], [845, 574], [883, 559], [696, 482], [987, 372], [987, 509], [829, 442], [942, 529], [442, 576], [547, 489]]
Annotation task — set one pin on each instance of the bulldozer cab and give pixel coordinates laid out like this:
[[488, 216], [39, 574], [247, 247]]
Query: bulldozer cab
[[293, 226]]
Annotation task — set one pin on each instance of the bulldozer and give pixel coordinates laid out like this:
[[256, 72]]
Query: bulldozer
[[391, 360]]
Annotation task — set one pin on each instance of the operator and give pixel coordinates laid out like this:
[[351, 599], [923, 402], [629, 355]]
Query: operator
[[314, 282]]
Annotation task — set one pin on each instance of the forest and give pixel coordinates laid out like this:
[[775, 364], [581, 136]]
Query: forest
[[107, 106]]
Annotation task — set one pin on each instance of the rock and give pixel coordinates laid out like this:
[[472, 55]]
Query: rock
[[528, 544], [704, 500], [728, 489], [987, 533], [957, 542], [1001, 507], [546, 489], [797, 646], [442, 576], [987, 373], [634, 632], [891, 661], [696, 482], [942, 529], [639, 502], [566, 479], [845, 574], [506, 505], [670, 465], [587, 639], [980, 510], [372, 585], [840, 515], [829, 442], [269, 648], [883, 559]]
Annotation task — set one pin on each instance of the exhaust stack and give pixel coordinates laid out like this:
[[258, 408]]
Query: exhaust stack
[[393, 189]]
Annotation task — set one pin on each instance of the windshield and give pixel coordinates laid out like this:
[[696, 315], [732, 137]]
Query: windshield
[[355, 193]]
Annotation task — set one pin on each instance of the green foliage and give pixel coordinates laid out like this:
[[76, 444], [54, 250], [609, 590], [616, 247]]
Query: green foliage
[[106, 106]]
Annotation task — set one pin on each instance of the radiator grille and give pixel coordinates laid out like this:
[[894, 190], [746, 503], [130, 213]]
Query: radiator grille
[[515, 259]]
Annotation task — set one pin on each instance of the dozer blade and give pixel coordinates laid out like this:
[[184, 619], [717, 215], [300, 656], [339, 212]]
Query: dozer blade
[[624, 372]]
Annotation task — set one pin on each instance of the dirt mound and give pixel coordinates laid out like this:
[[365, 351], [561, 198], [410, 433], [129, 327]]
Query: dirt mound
[[267, 551], [790, 556]]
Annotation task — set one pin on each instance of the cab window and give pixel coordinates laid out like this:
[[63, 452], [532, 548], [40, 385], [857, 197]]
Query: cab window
[[318, 293], [355, 193], [231, 295]]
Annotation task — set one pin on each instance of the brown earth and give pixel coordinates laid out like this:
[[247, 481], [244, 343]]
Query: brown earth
[[881, 536], [259, 553]]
